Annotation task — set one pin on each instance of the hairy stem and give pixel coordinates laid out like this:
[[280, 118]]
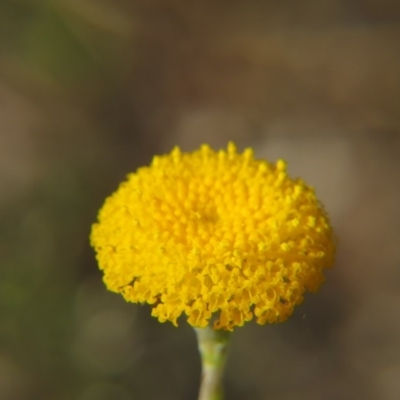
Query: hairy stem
[[213, 349]]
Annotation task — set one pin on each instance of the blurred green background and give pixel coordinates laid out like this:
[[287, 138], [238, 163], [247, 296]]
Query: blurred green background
[[92, 89]]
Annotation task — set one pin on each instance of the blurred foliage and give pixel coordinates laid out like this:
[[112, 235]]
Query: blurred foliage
[[76, 47], [39, 266], [60, 42]]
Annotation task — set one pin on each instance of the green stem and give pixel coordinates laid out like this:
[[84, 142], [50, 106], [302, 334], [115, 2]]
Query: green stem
[[213, 349]]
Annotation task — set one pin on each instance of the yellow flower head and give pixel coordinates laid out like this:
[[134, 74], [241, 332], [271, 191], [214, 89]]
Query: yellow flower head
[[214, 234]]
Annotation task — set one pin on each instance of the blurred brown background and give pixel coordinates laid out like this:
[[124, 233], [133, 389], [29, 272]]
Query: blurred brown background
[[92, 89]]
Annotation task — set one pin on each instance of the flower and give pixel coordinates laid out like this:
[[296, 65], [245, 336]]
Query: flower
[[217, 235]]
